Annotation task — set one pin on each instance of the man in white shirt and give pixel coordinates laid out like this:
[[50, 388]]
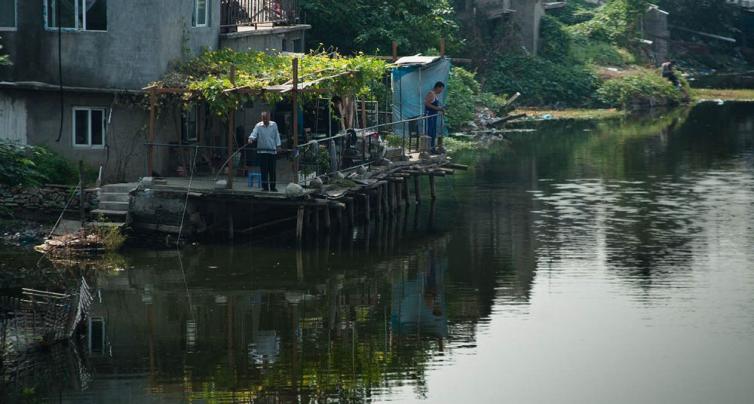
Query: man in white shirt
[[267, 138]]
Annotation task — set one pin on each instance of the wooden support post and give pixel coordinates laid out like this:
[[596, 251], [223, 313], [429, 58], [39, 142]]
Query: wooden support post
[[300, 224], [316, 219], [394, 194], [231, 134], [367, 208], [442, 47], [328, 224], [395, 51], [363, 114], [231, 225], [405, 192], [339, 218], [231, 141], [152, 132], [379, 202], [390, 196], [385, 198], [294, 101], [351, 211], [417, 189], [82, 195], [432, 187]]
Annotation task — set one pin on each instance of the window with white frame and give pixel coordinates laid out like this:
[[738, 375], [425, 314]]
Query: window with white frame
[[83, 15], [7, 15], [201, 13], [89, 125]]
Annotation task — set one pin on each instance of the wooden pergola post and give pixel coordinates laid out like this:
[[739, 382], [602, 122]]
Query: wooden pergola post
[[151, 133], [294, 102], [231, 134]]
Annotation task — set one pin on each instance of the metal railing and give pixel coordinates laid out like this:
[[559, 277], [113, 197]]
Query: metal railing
[[235, 13]]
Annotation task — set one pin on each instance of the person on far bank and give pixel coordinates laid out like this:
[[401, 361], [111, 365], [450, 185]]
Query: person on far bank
[[668, 72], [267, 138], [432, 110]]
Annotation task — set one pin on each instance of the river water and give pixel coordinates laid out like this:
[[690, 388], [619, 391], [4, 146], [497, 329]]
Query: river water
[[586, 262]]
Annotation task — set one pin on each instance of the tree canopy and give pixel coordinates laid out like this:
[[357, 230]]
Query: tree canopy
[[372, 25]]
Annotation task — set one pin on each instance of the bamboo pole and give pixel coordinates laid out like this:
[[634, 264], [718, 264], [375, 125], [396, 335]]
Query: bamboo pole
[[152, 129]]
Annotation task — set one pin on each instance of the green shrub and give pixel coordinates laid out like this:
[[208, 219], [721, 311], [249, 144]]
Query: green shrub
[[591, 51], [574, 12], [58, 170], [540, 81], [463, 92], [615, 22], [33, 166], [646, 88], [465, 97], [555, 42], [17, 165]]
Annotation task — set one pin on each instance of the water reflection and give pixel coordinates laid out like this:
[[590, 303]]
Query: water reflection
[[612, 255]]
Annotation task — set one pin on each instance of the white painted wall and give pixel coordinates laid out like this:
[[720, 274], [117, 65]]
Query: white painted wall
[[12, 119]]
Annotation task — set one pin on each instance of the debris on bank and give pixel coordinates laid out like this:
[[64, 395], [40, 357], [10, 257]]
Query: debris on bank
[[92, 240]]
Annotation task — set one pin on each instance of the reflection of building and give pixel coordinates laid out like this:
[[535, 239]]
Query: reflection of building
[[418, 300]]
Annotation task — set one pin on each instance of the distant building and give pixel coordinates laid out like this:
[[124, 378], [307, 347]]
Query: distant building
[[522, 17], [656, 33], [106, 52]]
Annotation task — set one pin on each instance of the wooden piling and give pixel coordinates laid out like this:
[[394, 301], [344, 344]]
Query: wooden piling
[[406, 192], [367, 208], [432, 187], [379, 202], [339, 219], [351, 211], [417, 190], [385, 196], [231, 225], [326, 212], [300, 224], [390, 197]]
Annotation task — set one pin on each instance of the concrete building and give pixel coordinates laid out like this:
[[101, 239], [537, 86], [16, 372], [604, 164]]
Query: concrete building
[[515, 24], [655, 30], [78, 89]]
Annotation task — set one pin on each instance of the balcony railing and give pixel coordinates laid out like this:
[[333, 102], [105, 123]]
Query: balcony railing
[[234, 13]]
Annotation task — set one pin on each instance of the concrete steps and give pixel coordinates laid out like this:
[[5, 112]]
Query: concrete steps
[[113, 206]]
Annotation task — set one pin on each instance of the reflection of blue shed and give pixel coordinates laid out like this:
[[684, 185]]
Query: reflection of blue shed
[[412, 78]]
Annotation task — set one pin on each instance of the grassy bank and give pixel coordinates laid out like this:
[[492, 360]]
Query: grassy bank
[[707, 94], [571, 113]]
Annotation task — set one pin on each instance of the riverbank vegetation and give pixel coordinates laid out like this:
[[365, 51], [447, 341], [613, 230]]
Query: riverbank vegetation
[[33, 166]]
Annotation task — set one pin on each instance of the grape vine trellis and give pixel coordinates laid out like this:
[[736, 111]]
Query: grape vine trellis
[[225, 79]]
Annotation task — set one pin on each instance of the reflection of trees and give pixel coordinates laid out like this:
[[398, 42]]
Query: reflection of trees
[[642, 200]]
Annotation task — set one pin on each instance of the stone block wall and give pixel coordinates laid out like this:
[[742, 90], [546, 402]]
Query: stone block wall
[[47, 199]]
